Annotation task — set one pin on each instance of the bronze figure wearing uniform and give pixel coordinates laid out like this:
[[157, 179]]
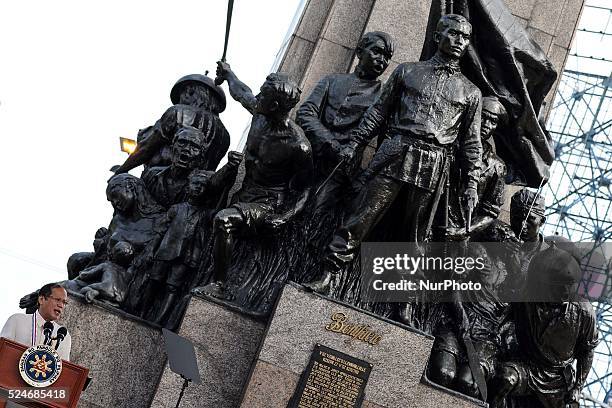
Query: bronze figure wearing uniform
[[428, 108]]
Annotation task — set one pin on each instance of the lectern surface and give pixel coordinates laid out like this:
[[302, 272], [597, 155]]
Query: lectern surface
[[72, 379]]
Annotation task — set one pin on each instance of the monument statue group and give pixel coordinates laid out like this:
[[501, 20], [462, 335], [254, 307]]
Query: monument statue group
[[301, 198]]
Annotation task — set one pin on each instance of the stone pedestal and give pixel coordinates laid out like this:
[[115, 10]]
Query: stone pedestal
[[398, 359], [226, 344], [125, 355]]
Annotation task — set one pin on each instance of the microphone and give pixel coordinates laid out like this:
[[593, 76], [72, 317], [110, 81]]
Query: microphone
[[47, 331], [61, 334]]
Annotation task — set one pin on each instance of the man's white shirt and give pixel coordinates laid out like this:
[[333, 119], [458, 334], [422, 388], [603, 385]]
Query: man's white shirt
[[19, 328]]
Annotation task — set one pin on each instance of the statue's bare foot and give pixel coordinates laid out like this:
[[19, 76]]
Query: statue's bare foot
[[215, 289], [321, 285], [90, 295]]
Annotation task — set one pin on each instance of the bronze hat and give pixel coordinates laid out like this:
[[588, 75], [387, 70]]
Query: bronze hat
[[201, 80]]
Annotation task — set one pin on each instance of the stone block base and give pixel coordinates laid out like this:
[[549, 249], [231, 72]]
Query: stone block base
[[125, 355], [398, 360], [226, 344]]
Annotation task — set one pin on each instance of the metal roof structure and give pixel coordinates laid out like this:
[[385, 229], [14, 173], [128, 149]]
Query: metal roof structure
[[578, 194]]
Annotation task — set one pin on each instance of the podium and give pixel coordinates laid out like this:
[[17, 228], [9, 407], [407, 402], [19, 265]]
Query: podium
[[72, 379]]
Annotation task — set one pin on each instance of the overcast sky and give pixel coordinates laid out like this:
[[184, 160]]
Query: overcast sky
[[75, 76]]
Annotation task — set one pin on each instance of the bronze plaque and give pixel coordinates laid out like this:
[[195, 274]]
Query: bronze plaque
[[331, 380]]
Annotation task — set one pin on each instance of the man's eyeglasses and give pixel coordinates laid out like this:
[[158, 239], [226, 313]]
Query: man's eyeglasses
[[58, 300]]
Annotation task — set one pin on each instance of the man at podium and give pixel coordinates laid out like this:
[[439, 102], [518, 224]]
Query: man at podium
[[29, 329]]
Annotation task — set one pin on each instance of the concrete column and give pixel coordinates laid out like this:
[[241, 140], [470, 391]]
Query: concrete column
[[325, 39]]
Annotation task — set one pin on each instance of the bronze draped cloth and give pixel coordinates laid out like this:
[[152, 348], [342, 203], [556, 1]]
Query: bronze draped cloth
[[503, 60]]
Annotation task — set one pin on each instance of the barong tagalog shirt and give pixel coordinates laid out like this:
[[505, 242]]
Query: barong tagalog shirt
[[27, 329], [434, 102]]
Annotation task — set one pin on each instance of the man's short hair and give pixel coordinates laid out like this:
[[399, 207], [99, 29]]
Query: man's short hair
[[492, 104], [525, 199], [370, 38], [286, 91], [447, 19], [47, 289]]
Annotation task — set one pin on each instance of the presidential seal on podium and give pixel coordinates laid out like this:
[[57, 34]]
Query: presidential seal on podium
[[40, 366]]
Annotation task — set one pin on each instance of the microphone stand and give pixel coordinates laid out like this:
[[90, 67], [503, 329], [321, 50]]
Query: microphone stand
[[185, 385], [48, 332]]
